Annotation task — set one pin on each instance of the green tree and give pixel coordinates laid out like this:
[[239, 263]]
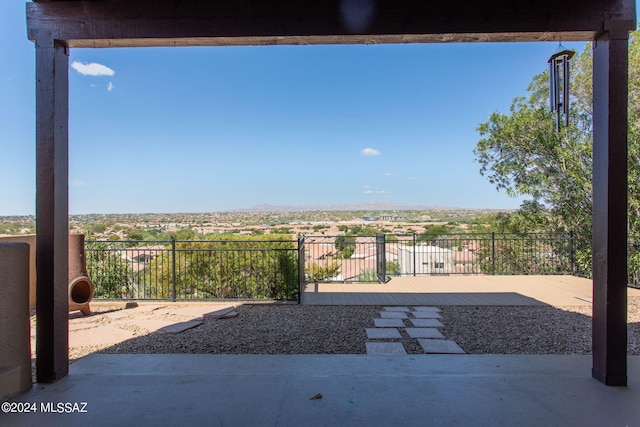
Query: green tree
[[232, 267], [346, 246], [319, 273], [522, 153], [110, 273]]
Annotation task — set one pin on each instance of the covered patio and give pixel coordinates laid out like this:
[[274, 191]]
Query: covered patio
[[276, 390]]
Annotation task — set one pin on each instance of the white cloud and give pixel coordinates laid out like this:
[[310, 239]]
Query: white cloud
[[370, 152], [389, 174], [77, 183], [92, 69], [411, 178], [110, 86]]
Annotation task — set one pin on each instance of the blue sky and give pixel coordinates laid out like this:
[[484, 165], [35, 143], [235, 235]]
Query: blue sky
[[220, 128]]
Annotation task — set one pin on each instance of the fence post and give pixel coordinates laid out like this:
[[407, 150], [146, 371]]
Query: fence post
[[301, 278], [414, 254], [173, 267], [381, 258], [493, 253]]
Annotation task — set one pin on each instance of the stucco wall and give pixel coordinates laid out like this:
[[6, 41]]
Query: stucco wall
[[15, 351], [31, 241]]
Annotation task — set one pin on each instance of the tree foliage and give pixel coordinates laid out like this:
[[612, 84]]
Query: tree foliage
[[110, 274], [236, 267], [319, 273], [521, 152]]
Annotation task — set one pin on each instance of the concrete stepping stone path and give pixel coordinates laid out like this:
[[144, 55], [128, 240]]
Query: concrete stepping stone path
[[440, 346], [382, 333], [393, 315], [385, 348], [425, 321], [388, 323]]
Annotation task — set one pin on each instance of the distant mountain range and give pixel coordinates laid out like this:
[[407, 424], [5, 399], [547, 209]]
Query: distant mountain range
[[358, 206]]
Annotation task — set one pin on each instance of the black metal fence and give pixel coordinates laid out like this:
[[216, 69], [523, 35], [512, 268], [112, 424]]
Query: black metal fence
[[247, 268], [183, 270], [376, 258], [633, 261]]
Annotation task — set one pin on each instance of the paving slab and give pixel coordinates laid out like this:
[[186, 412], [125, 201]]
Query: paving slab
[[106, 335], [176, 328], [223, 313], [195, 311], [394, 308], [388, 323], [424, 333], [427, 323], [145, 308], [382, 333], [385, 348], [150, 325], [393, 315], [424, 308], [426, 315], [440, 346], [114, 315], [79, 326]]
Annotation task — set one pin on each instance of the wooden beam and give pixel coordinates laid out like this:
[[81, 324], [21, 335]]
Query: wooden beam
[[609, 246], [52, 213], [261, 22]]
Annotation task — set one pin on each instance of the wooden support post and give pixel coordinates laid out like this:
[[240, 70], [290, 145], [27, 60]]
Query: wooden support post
[[52, 211], [610, 77]]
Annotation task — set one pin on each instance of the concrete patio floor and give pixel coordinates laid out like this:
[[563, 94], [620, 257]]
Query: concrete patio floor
[[367, 390], [356, 390]]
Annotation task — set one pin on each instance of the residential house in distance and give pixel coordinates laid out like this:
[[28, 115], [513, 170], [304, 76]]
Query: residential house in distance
[[425, 259]]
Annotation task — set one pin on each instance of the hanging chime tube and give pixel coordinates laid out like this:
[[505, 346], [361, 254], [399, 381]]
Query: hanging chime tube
[[559, 76], [565, 90], [552, 86]]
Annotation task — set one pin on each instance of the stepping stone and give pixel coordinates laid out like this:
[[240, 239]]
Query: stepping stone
[[426, 323], [382, 333], [151, 325], [176, 328], [422, 308], [424, 333], [396, 309], [426, 314], [223, 313], [389, 323], [393, 315], [108, 335], [385, 348], [440, 346]]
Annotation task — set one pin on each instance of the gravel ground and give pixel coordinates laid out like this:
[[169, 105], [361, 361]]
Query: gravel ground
[[305, 329]]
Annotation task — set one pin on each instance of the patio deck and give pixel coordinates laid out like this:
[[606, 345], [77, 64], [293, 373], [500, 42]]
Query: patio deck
[[357, 390], [276, 390], [556, 291]]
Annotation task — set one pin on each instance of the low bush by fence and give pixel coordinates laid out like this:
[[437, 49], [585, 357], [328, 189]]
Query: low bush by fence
[[366, 258], [181, 270]]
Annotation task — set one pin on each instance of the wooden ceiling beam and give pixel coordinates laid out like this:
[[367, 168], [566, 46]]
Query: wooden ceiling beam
[[129, 23]]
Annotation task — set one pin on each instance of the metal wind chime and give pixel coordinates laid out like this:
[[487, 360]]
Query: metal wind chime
[[559, 85]]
